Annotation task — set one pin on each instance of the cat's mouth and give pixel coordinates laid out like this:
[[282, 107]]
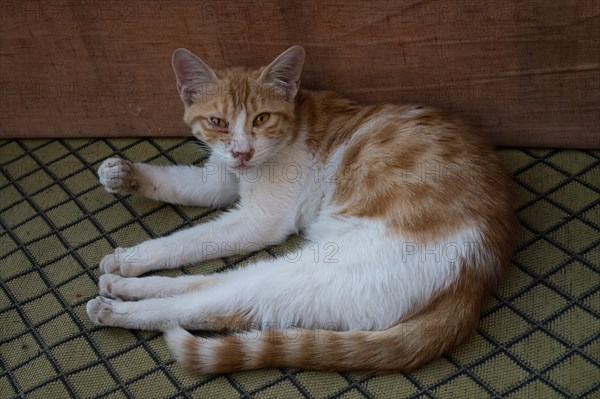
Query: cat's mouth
[[243, 165]]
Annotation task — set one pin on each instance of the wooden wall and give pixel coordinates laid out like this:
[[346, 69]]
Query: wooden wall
[[526, 72]]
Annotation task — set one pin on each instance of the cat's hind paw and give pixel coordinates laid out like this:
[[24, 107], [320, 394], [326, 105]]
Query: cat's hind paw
[[111, 263], [117, 176], [100, 310], [124, 262], [111, 286]]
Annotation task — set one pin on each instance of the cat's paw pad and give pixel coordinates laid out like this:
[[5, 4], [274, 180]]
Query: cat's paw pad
[[105, 284], [117, 175], [123, 262], [100, 310]]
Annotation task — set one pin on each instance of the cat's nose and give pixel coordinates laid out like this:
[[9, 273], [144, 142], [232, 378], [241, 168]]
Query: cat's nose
[[243, 156]]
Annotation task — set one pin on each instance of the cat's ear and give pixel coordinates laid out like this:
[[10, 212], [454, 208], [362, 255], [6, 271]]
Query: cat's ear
[[285, 71], [193, 75]]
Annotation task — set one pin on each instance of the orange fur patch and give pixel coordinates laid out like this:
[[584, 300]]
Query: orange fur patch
[[425, 177], [230, 355], [191, 355], [200, 285]]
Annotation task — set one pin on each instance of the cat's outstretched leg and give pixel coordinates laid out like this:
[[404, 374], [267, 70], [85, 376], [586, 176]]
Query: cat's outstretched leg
[[310, 287], [114, 286], [194, 311], [263, 218], [208, 186], [161, 314], [239, 231], [226, 295]]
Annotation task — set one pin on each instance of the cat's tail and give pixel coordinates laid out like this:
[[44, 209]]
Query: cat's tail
[[405, 346]]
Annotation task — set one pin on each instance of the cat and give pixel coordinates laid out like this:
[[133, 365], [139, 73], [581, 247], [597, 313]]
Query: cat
[[407, 214]]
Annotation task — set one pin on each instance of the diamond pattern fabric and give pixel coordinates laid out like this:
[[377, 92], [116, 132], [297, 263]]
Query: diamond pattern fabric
[[538, 336]]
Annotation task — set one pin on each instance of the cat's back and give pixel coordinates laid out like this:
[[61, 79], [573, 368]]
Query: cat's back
[[405, 133], [421, 171]]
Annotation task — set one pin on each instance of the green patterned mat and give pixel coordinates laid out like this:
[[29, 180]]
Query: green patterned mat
[[538, 338]]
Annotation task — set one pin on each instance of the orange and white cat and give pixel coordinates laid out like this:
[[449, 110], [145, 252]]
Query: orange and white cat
[[407, 215]]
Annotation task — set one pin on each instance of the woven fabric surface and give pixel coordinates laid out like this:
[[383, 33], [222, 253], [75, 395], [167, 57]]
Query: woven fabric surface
[[538, 336]]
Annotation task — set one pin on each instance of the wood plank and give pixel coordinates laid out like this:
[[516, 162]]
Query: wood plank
[[526, 73]]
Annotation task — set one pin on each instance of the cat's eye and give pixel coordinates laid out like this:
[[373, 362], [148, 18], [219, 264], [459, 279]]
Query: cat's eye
[[218, 122], [261, 119]]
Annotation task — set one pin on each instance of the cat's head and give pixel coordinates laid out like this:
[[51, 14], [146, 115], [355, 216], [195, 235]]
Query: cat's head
[[245, 116]]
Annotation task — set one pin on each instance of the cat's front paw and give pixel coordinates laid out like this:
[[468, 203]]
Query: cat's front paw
[[124, 262], [118, 176]]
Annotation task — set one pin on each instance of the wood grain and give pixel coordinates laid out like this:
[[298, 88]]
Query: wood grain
[[527, 73]]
